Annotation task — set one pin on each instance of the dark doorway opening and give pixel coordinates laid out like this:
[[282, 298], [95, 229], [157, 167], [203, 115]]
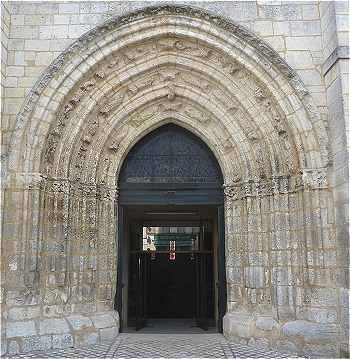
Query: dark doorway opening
[[171, 286], [171, 266], [170, 181]]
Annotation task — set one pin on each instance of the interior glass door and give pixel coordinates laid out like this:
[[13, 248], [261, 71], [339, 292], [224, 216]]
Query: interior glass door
[[171, 273]]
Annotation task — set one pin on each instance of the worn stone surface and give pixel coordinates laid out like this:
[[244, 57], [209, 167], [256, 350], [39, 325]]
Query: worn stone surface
[[287, 346], [24, 313], [12, 347], [37, 342], [79, 322], [62, 341], [311, 332], [264, 85], [260, 343], [103, 321], [238, 324], [108, 333], [20, 329], [53, 326], [266, 323], [86, 338]]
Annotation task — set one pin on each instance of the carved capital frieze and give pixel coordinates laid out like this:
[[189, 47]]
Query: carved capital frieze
[[84, 190], [314, 178], [282, 184], [55, 185], [231, 192], [105, 193], [79, 189]]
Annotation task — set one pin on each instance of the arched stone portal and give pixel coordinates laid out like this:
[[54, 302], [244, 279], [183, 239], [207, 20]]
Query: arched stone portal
[[95, 101]]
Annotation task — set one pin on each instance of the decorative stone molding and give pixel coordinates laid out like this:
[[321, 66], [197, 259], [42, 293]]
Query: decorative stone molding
[[184, 10], [339, 53], [184, 108], [55, 185], [315, 178], [308, 179], [67, 186], [231, 66]]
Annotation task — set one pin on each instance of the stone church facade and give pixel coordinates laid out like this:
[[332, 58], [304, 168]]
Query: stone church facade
[[263, 84]]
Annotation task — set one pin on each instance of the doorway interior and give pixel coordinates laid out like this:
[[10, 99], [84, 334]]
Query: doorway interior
[[171, 255], [170, 269]]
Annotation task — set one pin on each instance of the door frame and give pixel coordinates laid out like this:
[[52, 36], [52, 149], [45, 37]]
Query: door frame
[[221, 288]]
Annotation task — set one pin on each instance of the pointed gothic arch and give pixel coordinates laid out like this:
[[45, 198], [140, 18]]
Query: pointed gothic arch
[[170, 158]]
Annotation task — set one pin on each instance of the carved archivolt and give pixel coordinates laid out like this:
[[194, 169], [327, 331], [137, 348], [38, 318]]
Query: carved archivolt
[[230, 65], [270, 57], [310, 179], [217, 100], [205, 81]]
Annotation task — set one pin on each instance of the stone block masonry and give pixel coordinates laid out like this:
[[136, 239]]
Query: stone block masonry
[[263, 85], [59, 333]]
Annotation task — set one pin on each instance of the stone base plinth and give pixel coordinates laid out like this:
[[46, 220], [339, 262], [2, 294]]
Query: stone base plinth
[[75, 330], [296, 337]]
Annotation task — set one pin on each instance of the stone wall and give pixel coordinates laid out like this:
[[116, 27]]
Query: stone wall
[[26, 331], [5, 31], [335, 34], [275, 299], [281, 146]]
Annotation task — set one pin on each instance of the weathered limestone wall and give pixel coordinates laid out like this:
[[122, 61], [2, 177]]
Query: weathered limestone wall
[[335, 34], [5, 31], [5, 28], [282, 281], [285, 225], [64, 296]]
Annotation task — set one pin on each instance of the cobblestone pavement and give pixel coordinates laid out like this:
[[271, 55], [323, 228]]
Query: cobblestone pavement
[[163, 346]]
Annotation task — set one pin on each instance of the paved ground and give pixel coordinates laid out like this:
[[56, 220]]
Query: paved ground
[[130, 345]]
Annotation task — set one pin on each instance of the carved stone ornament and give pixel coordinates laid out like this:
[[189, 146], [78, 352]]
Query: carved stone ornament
[[111, 25], [197, 115], [56, 132], [105, 108], [55, 185], [171, 93], [107, 163], [259, 94], [116, 141], [199, 83], [315, 179], [68, 187], [171, 77], [230, 191], [226, 145], [107, 193], [174, 78], [249, 130], [234, 176], [177, 106], [310, 179]]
